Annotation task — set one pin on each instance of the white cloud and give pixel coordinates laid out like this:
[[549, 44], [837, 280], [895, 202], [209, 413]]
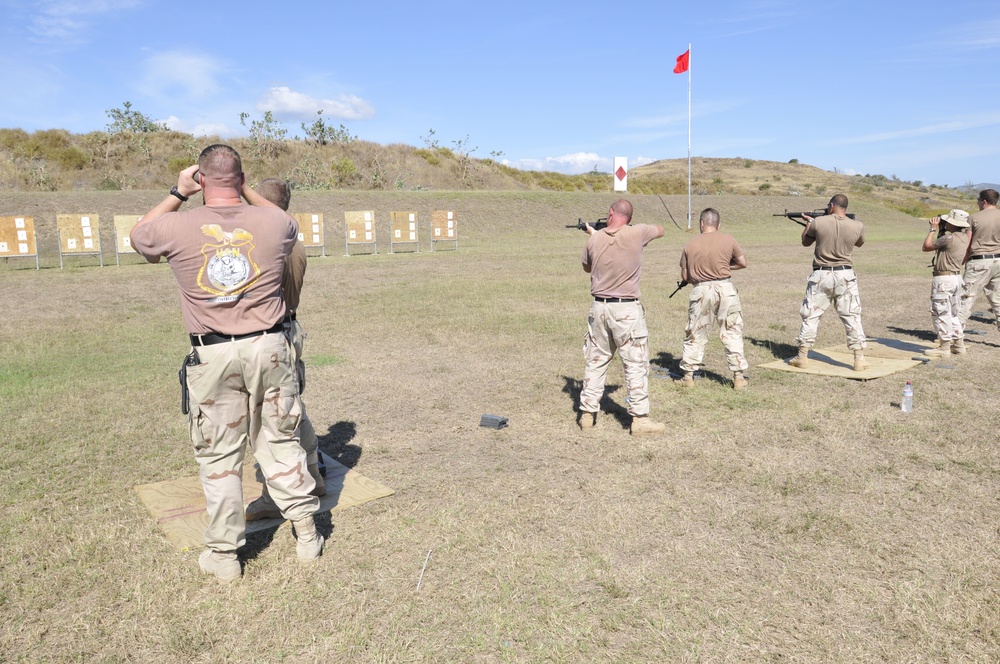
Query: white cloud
[[193, 75], [570, 164], [70, 19], [284, 101], [174, 123]]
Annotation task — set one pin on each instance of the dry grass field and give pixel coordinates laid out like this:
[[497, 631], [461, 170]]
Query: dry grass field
[[805, 519]]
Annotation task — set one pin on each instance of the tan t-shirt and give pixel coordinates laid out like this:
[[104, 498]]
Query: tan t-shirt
[[708, 256], [615, 260], [228, 263], [950, 251], [985, 232], [836, 238], [294, 275]]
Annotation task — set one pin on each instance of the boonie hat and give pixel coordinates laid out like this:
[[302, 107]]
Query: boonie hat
[[958, 218]]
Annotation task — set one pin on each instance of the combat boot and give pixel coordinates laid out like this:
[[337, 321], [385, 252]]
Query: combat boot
[[802, 359], [645, 426], [587, 420], [263, 508], [942, 349], [860, 364], [739, 382], [317, 475], [225, 566], [958, 347], [687, 380], [309, 543]]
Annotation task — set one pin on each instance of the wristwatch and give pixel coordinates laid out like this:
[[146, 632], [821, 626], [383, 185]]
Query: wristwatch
[[179, 195]]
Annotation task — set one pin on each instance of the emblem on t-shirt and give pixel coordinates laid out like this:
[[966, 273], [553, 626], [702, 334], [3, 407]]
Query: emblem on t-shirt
[[229, 269]]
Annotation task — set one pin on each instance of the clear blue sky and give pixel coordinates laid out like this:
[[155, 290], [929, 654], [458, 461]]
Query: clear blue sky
[[905, 89]]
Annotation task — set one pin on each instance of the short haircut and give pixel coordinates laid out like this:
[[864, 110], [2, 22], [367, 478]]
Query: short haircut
[[277, 191], [710, 217], [990, 196], [220, 162], [839, 201], [623, 207]]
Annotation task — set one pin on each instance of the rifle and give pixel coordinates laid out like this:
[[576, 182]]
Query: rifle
[[680, 285], [582, 225], [797, 216]]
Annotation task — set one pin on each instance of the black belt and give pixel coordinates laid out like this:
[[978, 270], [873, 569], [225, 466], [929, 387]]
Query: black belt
[[212, 338], [835, 267], [945, 273], [616, 299], [983, 257]]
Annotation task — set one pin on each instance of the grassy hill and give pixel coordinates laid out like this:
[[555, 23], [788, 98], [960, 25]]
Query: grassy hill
[[148, 159]]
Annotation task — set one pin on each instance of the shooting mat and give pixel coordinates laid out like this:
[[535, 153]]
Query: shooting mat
[[885, 357], [178, 506]]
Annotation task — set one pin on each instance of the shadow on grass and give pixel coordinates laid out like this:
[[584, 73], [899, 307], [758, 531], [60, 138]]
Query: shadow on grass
[[980, 317], [335, 443], [779, 350], [667, 365], [573, 387], [925, 335]]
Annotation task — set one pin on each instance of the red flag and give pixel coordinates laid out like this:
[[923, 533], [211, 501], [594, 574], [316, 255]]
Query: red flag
[[683, 62]]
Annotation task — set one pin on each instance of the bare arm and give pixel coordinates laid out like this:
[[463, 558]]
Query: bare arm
[[738, 263], [930, 241], [807, 240], [186, 186], [253, 198]]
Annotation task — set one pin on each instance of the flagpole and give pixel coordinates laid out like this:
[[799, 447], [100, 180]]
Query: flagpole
[[689, 136]]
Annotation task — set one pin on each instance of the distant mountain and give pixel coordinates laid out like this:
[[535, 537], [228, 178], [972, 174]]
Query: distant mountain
[[976, 188]]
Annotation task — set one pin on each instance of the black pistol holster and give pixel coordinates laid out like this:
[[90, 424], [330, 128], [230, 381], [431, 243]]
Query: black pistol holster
[[190, 360]]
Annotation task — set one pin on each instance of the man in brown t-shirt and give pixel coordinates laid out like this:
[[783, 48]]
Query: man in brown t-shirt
[[948, 237], [617, 320], [707, 262], [228, 260], [277, 192], [982, 268], [832, 280]]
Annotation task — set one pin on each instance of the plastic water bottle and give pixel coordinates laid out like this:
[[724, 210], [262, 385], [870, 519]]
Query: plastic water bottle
[[907, 403]]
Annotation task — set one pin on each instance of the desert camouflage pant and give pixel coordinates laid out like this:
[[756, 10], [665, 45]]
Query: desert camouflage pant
[[839, 288], [621, 327], [711, 302], [307, 434], [244, 392], [982, 274], [946, 298]]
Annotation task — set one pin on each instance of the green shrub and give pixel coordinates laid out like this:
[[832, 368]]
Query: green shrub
[[344, 171], [13, 139], [178, 164], [764, 187], [427, 155], [70, 158]]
